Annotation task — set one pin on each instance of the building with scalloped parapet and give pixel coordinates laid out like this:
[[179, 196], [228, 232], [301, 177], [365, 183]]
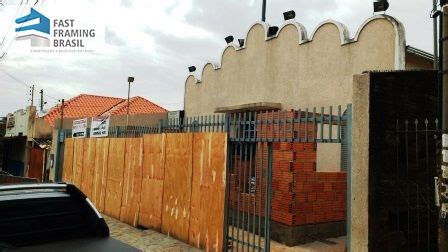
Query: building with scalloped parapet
[[290, 69], [294, 68]]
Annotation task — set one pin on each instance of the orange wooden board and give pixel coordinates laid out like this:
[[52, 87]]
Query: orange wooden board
[[200, 165], [154, 156], [114, 184], [67, 170], [208, 190], [100, 173], [177, 186], [130, 202], [88, 166], [78, 156], [150, 214]]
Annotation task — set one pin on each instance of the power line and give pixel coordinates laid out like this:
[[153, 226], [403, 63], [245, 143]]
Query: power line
[[16, 79], [24, 84], [9, 27], [15, 37], [52, 97]]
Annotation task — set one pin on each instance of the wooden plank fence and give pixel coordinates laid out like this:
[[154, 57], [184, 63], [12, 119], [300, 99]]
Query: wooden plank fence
[[173, 183]]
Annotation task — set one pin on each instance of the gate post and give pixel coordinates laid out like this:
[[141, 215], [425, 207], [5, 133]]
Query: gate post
[[227, 188], [348, 140]]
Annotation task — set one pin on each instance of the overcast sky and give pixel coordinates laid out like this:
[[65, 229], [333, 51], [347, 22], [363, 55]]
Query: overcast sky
[[156, 40]]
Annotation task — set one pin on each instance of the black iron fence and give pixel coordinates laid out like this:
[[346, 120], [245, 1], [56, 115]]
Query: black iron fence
[[414, 214], [210, 123], [404, 215]]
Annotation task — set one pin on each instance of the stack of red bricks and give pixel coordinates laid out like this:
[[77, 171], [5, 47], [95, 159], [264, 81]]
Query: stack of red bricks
[[300, 195]]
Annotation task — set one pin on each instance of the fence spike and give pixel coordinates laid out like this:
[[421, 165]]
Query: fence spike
[[330, 127], [322, 111]]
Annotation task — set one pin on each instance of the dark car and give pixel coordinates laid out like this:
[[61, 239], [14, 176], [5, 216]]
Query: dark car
[[52, 217]]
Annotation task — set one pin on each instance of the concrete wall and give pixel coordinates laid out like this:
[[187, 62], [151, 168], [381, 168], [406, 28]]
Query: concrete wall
[[39, 128], [295, 69], [360, 164]]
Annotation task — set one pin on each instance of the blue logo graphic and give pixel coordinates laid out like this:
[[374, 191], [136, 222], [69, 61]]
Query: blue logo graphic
[[43, 26]]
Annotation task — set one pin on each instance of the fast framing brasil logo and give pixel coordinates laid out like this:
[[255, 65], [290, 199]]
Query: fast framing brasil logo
[[56, 34]]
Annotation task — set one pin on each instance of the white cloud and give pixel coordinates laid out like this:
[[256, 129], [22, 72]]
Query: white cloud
[[157, 40]]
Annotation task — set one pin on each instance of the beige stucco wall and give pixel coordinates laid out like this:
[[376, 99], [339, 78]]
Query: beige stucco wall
[[294, 69], [360, 164], [328, 157]]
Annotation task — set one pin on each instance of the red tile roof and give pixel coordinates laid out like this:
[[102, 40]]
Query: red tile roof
[[137, 105], [85, 105]]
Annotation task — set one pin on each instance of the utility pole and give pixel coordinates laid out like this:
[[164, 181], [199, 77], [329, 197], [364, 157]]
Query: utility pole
[[263, 12], [443, 178], [32, 95], [60, 139], [41, 100]]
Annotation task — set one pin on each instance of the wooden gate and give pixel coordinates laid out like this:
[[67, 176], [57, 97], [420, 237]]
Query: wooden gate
[[36, 168]]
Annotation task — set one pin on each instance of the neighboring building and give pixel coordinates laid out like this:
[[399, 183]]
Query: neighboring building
[[142, 112], [25, 144], [86, 105]]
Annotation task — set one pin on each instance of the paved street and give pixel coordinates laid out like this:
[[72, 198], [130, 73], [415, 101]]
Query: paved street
[[146, 240]]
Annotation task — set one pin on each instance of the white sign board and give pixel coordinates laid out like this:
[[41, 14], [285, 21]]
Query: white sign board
[[79, 129], [100, 126]]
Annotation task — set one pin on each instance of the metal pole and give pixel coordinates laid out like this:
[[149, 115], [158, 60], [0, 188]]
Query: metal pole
[[263, 12], [41, 100], [267, 216], [59, 164], [435, 36], [443, 227], [127, 112], [348, 141], [225, 240]]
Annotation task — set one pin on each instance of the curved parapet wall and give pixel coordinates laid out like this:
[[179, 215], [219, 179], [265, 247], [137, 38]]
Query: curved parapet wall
[[294, 68]]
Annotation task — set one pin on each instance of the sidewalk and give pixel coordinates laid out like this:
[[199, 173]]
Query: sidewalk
[[146, 240], [149, 240]]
